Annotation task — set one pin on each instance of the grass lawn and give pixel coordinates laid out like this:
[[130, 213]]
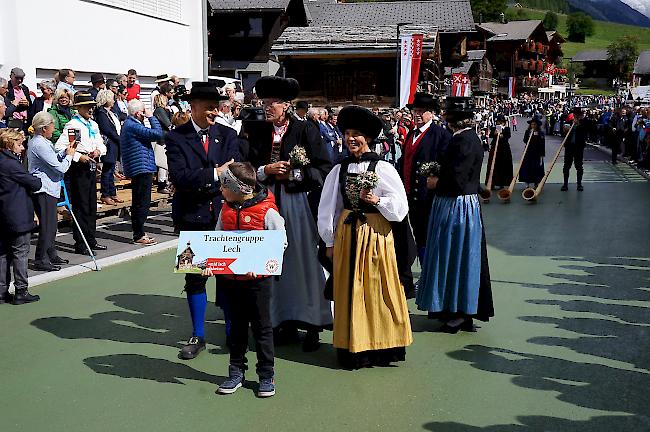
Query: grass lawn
[[591, 91], [604, 34]]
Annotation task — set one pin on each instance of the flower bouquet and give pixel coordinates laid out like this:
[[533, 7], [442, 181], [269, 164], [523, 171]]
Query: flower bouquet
[[298, 159], [354, 185], [429, 169]]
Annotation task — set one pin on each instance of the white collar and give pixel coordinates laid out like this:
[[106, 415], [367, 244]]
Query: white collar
[[197, 128], [462, 130], [425, 126]]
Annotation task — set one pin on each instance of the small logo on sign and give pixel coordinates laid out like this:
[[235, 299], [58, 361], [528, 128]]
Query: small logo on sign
[[272, 266]]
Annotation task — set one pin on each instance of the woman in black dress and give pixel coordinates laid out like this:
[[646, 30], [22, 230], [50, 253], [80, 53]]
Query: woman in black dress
[[502, 175], [532, 169]]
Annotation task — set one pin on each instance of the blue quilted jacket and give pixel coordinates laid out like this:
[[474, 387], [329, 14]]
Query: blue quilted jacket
[[135, 143]]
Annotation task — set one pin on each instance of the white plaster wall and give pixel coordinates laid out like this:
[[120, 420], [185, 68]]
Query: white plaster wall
[[89, 37]]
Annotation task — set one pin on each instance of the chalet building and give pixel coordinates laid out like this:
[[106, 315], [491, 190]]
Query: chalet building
[[348, 52], [479, 69], [518, 49], [185, 260], [241, 32], [555, 41], [642, 69], [598, 71]]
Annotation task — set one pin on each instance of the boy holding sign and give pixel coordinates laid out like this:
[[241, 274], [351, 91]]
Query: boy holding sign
[[249, 295]]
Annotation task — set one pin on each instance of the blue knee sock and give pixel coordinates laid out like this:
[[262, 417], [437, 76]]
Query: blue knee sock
[[198, 303]]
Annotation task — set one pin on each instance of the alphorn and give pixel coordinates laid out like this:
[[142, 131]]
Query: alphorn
[[487, 193], [530, 194], [505, 194]]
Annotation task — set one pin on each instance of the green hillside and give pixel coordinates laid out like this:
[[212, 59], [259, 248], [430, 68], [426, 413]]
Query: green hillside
[[605, 33]]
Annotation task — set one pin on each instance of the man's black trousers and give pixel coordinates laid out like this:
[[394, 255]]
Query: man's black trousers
[[141, 196], [83, 199]]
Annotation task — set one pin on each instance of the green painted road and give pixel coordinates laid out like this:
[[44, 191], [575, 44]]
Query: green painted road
[[569, 349]]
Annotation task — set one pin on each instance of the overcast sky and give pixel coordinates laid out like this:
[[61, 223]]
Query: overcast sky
[[642, 6]]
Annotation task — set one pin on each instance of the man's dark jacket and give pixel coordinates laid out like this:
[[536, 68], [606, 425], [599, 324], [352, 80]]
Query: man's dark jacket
[[16, 187], [197, 199], [432, 146]]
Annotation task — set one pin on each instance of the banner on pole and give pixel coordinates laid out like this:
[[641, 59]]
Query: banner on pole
[[410, 55], [460, 85], [512, 87]]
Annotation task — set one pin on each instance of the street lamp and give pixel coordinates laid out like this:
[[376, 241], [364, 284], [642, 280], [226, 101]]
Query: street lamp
[[399, 62]]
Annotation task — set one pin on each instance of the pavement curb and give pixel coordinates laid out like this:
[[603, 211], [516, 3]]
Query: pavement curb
[[607, 151], [103, 263]]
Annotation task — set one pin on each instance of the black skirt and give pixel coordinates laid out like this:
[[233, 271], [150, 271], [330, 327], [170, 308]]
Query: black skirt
[[366, 359]]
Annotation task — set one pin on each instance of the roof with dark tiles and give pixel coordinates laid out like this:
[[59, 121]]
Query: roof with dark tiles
[[590, 55], [243, 5], [510, 31], [447, 15]]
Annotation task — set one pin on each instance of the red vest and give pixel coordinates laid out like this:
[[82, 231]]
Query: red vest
[[250, 215]]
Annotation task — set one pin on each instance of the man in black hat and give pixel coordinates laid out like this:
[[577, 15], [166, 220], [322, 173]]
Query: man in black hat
[[301, 110], [197, 152], [574, 149], [17, 100], [98, 82], [423, 144], [82, 173]]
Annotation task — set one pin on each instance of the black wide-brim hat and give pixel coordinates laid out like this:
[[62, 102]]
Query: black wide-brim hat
[[459, 108], [81, 98], [202, 90], [285, 89], [162, 78], [424, 101], [302, 105], [361, 119], [536, 121]]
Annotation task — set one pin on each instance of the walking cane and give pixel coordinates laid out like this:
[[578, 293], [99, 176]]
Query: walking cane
[[66, 204]]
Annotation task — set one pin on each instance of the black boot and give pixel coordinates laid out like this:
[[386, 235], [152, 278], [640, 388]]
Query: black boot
[[23, 296], [565, 186], [580, 188], [311, 342], [5, 298]]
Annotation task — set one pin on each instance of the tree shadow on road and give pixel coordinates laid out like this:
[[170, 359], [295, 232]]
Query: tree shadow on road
[[599, 322], [160, 320]]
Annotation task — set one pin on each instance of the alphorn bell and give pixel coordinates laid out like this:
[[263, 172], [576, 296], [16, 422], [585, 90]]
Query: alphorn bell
[[530, 194], [505, 194], [487, 193]]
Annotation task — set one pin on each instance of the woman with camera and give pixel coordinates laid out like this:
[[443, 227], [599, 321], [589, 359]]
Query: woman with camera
[[50, 166]]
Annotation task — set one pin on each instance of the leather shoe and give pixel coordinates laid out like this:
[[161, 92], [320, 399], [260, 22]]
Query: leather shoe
[[193, 347], [97, 247], [45, 267], [81, 251], [6, 298], [59, 261], [23, 296], [564, 188], [580, 188]]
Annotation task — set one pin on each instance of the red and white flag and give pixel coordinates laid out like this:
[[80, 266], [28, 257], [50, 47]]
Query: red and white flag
[[461, 85], [512, 87], [411, 54]]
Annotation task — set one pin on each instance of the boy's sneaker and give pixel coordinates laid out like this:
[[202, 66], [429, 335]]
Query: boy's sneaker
[[267, 388], [234, 381]]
